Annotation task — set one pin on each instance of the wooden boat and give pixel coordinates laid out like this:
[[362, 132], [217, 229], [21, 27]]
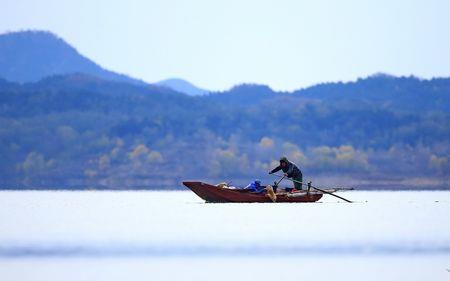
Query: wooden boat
[[215, 194]]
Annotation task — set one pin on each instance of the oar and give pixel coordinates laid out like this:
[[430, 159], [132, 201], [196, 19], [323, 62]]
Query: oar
[[278, 182], [321, 190]]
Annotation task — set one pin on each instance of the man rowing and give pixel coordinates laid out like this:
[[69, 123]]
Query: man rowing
[[291, 171]]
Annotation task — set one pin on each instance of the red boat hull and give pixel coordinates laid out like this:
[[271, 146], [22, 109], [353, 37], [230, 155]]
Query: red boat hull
[[214, 194]]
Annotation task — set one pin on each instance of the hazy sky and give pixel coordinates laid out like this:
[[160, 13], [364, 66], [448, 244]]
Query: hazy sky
[[286, 44]]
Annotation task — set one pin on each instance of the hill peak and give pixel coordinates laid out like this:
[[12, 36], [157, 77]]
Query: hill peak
[[31, 34], [182, 86], [250, 89], [29, 56]]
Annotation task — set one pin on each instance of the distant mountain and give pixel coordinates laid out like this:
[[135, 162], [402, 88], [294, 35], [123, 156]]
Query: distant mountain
[[29, 56], [383, 91], [102, 129], [244, 94], [182, 86], [6, 84], [94, 84], [108, 134]]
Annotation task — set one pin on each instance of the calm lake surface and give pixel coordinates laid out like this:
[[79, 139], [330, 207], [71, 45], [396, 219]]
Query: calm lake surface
[[139, 235]]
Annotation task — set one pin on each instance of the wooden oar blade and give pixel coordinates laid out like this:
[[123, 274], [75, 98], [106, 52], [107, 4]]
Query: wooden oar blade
[[326, 192]]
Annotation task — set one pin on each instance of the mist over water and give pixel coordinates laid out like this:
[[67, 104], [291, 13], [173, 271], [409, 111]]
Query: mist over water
[[126, 228], [179, 223]]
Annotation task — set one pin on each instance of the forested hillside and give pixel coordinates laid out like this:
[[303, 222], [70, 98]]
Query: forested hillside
[[80, 131]]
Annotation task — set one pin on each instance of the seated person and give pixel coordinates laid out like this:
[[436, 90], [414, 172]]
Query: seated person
[[255, 186]]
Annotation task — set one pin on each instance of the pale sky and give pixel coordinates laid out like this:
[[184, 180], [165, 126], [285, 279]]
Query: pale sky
[[286, 44]]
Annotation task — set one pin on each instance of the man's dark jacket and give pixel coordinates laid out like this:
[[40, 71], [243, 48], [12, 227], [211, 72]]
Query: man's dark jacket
[[290, 169]]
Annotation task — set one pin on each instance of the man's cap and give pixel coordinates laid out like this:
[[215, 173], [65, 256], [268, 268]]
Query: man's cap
[[284, 159]]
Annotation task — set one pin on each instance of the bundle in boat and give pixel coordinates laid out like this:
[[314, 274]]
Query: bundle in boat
[[271, 194]]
